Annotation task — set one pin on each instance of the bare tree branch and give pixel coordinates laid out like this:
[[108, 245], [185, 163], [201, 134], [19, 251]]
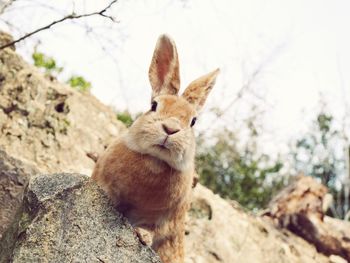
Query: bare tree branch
[[68, 17]]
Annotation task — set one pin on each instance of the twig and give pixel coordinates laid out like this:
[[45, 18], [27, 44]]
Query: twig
[[71, 16]]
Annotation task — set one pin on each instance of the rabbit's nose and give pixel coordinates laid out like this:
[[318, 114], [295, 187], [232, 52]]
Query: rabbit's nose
[[170, 130]]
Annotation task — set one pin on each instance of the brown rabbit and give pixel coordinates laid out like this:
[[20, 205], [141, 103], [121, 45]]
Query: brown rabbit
[[149, 171]]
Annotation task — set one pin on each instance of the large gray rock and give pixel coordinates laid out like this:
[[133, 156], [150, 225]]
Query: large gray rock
[[14, 177], [68, 219]]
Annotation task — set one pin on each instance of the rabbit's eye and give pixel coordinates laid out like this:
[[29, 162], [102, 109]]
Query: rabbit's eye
[[154, 106], [193, 121]]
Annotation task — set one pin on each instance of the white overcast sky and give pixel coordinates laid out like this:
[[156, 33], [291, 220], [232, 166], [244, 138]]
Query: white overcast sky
[[302, 45]]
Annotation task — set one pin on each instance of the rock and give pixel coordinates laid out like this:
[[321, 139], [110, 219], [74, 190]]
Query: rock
[[337, 259], [218, 231], [303, 196], [57, 125], [14, 177], [300, 208], [5, 39], [68, 219]]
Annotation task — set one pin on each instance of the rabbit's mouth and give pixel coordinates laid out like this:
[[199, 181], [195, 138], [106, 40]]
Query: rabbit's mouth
[[164, 142], [163, 145], [162, 148]]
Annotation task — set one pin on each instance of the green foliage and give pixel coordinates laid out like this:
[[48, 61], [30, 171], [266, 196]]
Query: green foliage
[[319, 153], [79, 83], [47, 63], [126, 118], [244, 176]]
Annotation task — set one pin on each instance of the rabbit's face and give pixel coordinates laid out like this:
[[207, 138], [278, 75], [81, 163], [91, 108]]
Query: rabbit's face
[[166, 131]]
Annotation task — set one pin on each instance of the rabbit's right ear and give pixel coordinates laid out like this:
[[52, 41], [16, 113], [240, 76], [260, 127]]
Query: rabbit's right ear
[[164, 72]]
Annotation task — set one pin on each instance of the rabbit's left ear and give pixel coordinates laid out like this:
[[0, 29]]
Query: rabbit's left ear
[[164, 69], [197, 92]]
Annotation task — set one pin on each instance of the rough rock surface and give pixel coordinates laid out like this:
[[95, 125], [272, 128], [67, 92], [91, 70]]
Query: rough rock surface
[[13, 181], [57, 124], [301, 208], [68, 219], [218, 231], [6, 38]]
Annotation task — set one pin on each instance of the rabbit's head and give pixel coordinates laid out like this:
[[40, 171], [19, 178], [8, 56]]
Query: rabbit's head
[[166, 130]]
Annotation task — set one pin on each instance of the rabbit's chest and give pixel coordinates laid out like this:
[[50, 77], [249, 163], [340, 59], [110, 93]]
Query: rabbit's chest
[[154, 198], [157, 191], [152, 205]]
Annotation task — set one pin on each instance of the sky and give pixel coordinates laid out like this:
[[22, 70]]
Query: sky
[[291, 53]]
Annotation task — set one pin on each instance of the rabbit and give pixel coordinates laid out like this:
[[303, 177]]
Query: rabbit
[[149, 171]]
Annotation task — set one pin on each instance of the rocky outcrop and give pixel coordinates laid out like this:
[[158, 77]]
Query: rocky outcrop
[[301, 208], [57, 124], [68, 219], [13, 181], [219, 231]]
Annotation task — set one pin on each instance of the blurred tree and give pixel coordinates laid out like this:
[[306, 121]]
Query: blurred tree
[[239, 173], [320, 153]]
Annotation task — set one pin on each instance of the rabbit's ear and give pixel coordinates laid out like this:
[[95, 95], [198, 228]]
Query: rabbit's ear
[[197, 92], [164, 69]]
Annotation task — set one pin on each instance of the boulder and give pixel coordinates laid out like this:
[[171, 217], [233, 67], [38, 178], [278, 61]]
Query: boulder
[[14, 177], [68, 219]]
